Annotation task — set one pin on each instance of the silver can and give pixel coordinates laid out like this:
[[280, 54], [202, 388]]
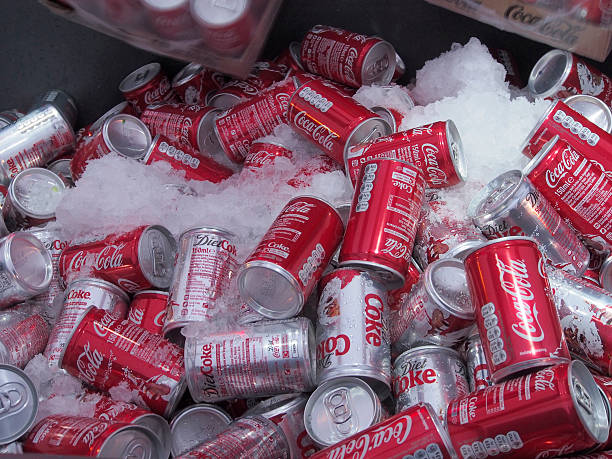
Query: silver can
[[26, 268], [61, 168], [510, 205], [261, 359], [431, 374], [61, 100], [19, 410], [478, 373], [79, 296], [33, 141], [287, 412], [340, 408], [205, 265], [353, 330], [22, 336], [196, 424], [592, 108]]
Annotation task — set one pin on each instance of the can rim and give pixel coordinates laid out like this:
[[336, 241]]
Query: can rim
[[123, 85], [290, 401], [541, 63], [187, 73], [531, 165], [469, 246], [382, 123], [179, 391], [442, 430], [221, 94], [136, 122], [594, 101], [156, 292], [33, 170], [295, 50], [205, 131], [156, 445], [34, 400], [504, 239], [376, 270], [435, 295], [208, 229], [95, 281], [149, 276], [479, 217], [149, 152], [605, 273], [115, 110], [387, 116], [160, 429], [455, 148], [385, 77]]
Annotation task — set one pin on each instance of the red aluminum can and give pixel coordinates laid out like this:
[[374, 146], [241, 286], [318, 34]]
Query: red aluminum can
[[346, 57], [22, 339], [399, 295], [577, 189], [479, 375], [320, 164], [110, 353], [145, 86], [559, 74], [304, 77], [290, 57], [549, 413], [414, 433], [436, 149], [169, 19], [85, 133], [148, 310], [383, 220], [282, 271], [332, 121], [137, 260], [237, 128], [194, 82], [265, 152], [184, 158], [79, 436], [188, 124], [596, 11], [515, 310]]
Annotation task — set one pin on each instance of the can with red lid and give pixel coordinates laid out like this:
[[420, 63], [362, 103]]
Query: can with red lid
[[194, 82], [383, 221], [552, 412], [136, 260], [263, 152], [436, 149], [514, 305], [331, 120], [147, 85], [282, 271], [346, 57], [148, 310], [114, 354], [22, 339]]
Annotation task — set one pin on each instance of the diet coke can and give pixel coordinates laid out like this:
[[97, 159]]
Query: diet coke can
[[196, 424], [145, 86], [431, 374], [479, 375], [136, 260], [353, 329], [257, 360], [510, 205], [383, 221], [346, 57], [282, 271], [552, 412], [194, 82], [148, 310], [332, 121], [515, 310], [436, 149], [22, 339], [111, 354], [263, 152]]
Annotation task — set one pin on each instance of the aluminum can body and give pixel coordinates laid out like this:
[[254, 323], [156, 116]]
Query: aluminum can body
[[145, 86], [263, 153], [20, 342], [148, 310]]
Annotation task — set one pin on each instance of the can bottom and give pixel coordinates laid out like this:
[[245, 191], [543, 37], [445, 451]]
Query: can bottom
[[528, 365]]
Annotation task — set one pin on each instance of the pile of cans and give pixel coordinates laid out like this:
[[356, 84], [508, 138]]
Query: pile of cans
[[381, 328]]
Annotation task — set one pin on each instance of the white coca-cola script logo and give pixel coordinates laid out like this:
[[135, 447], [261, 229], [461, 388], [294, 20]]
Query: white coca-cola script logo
[[109, 257], [545, 379], [282, 99], [348, 67], [136, 315], [430, 155], [88, 363], [160, 318], [513, 278], [569, 158], [155, 95], [101, 326], [90, 436], [128, 285], [320, 133]]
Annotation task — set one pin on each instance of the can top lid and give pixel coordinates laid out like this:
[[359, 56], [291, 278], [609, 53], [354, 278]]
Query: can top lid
[[605, 274], [295, 48], [531, 165], [61, 166], [378, 64], [140, 77], [340, 408], [187, 73], [386, 115], [196, 424], [222, 100], [127, 135], [207, 138], [549, 73], [207, 230], [279, 404], [36, 192], [116, 110], [28, 261], [455, 148], [593, 109], [164, 5], [132, 440], [365, 132], [156, 252], [20, 403], [99, 283], [214, 14], [419, 351], [62, 101], [492, 199], [446, 282], [588, 402], [160, 428]]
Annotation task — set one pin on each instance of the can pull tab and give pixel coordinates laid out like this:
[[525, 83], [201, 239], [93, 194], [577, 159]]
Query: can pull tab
[[338, 407], [372, 135], [582, 397], [12, 397], [135, 450]]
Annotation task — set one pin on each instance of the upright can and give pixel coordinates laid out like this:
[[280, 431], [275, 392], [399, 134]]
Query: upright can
[[148, 310], [331, 120], [479, 375], [346, 57], [282, 271], [383, 221], [515, 311], [146, 85], [195, 424]]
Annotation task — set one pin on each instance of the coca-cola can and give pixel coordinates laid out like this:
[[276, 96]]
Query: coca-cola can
[[256, 117], [346, 57], [8, 117], [205, 265], [80, 436], [593, 109], [290, 57], [183, 158], [148, 310], [251, 436], [23, 339], [84, 134], [169, 18], [431, 374], [383, 221], [331, 120], [282, 271], [353, 329], [122, 134], [196, 424], [257, 360], [339, 408], [552, 412], [34, 140], [478, 373], [61, 100], [264, 152], [20, 403], [515, 310], [560, 74], [437, 310], [194, 82], [107, 353], [414, 433], [147, 85], [400, 68], [398, 296], [604, 384], [436, 149], [79, 296], [510, 205], [137, 260], [32, 198], [577, 189]]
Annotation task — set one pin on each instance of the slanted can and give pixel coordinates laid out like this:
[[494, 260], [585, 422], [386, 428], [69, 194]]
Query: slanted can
[[148, 310], [193, 83], [593, 109], [147, 85], [22, 339], [196, 424]]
